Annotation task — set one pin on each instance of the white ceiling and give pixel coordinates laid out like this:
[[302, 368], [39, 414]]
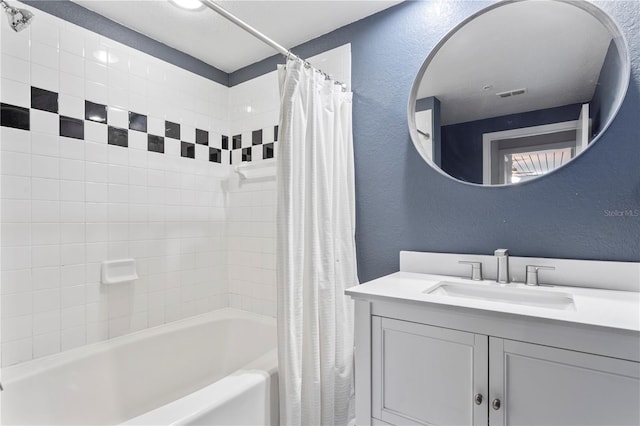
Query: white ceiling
[[211, 38], [553, 49]]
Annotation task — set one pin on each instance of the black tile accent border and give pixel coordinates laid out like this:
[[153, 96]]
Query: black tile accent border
[[267, 151], [256, 137], [215, 155], [18, 117], [44, 100], [95, 112], [171, 130], [155, 144], [246, 154], [15, 117], [202, 137], [118, 137], [71, 127], [187, 150], [236, 141], [137, 122]]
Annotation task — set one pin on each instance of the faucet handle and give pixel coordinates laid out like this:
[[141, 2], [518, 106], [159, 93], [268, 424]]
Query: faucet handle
[[532, 273], [476, 269]]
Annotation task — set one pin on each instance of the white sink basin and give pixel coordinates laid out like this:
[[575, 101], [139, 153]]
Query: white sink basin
[[506, 294]]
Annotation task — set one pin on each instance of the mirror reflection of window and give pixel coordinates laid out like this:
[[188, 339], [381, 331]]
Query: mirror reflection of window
[[523, 166]]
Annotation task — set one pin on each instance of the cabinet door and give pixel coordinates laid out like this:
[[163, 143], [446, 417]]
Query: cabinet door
[[540, 385], [423, 375]]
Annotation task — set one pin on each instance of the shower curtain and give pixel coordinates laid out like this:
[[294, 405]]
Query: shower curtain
[[316, 249]]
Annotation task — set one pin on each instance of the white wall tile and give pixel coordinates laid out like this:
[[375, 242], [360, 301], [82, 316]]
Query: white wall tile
[[71, 106], [71, 63], [45, 211], [44, 77], [45, 189], [96, 152], [15, 163], [46, 344], [71, 40], [72, 148], [44, 300], [71, 211], [72, 190], [16, 281], [118, 174], [16, 46], [46, 321], [71, 84], [95, 72], [95, 132], [15, 140], [15, 69], [118, 117], [17, 351], [45, 233], [73, 337], [95, 92], [18, 327], [46, 255], [70, 254], [44, 31], [72, 169], [73, 296], [70, 274], [46, 278], [45, 167], [44, 144]]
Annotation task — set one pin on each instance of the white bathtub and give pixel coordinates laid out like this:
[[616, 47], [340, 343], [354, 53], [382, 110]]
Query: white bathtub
[[214, 369]]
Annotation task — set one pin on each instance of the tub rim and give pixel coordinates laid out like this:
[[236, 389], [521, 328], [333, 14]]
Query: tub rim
[[33, 367]]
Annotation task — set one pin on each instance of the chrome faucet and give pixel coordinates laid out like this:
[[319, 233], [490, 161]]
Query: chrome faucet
[[503, 265]]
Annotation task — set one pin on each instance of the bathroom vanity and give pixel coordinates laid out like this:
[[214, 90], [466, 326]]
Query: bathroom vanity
[[433, 348]]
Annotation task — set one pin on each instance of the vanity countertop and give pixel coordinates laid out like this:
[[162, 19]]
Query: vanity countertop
[[595, 307]]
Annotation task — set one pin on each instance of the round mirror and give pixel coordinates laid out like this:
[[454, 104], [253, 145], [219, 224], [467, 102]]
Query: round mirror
[[518, 90]]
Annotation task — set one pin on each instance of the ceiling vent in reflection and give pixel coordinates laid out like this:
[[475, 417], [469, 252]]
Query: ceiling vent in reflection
[[509, 93]]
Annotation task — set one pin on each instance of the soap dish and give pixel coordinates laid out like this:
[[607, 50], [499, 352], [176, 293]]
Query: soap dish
[[118, 271]]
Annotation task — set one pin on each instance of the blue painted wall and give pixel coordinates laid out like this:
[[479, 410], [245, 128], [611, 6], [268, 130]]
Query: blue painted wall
[[461, 151], [403, 204]]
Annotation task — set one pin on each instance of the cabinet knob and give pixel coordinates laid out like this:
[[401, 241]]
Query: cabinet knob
[[495, 404], [478, 399]]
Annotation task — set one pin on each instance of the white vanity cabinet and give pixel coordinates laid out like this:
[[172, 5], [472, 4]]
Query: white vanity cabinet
[[426, 375], [541, 385]]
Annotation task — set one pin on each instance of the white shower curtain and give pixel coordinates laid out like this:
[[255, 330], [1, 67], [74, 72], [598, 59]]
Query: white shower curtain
[[316, 249]]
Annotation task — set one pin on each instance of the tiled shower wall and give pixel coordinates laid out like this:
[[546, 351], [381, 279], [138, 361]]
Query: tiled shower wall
[[106, 153], [251, 228]]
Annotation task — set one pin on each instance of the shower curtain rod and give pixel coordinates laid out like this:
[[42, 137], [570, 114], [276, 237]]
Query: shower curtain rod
[[248, 28]]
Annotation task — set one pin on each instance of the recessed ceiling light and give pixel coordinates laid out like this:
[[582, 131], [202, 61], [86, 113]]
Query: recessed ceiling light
[[188, 4]]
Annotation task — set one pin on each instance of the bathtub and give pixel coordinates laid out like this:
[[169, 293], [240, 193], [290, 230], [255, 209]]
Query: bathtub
[[218, 368]]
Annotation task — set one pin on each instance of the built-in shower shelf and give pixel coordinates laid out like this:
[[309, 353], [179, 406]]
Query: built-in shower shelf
[[118, 271], [258, 170]]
